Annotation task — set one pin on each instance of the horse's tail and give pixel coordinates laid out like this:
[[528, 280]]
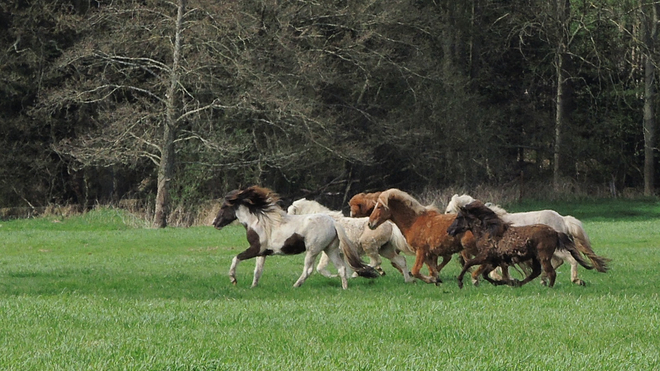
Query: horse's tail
[[399, 241], [352, 257], [565, 242], [583, 243]]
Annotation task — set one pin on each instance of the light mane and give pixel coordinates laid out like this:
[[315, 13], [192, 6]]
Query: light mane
[[304, 206], [457, 202], [405, 198], [497, 209]]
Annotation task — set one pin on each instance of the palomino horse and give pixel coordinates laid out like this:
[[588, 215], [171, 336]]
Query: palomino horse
[[362, 204], [271, 231], [425, 229], [565, 224], [501, 244], [386, 240]]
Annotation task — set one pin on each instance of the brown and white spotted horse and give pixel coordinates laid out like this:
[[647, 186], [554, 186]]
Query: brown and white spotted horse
[[271, 231]]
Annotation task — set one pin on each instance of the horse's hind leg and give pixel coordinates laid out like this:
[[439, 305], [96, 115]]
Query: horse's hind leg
[[549, 271], [445, 260], [339, 263], [321, 267], [420, 258], [468, 264], [536, 271], [505, 279], [308, 268], [258, 270], [398, 261], [562, 256]]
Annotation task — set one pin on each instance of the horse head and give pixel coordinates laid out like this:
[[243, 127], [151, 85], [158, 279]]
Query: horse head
[[379, 215], [255, 198], [362, 204], [476, 217]]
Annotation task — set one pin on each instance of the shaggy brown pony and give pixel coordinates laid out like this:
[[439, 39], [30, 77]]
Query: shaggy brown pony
[[500, 244], [425, 229]]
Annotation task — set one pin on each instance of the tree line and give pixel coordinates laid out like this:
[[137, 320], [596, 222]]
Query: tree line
[[181, 101]]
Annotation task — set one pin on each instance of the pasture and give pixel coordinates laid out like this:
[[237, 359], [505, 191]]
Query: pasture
[[101, 292]]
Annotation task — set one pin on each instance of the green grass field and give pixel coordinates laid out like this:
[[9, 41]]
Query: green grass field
[[100, 292]]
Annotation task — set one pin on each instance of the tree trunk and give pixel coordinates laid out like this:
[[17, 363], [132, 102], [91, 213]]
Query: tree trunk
[[167, 157], [649, 20], [561, 101]]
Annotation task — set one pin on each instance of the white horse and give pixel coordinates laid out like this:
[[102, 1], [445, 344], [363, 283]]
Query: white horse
[[271, 231], [386, 240], [565, 224]]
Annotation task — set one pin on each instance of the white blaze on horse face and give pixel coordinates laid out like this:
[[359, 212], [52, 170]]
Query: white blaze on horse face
[[376, 217]]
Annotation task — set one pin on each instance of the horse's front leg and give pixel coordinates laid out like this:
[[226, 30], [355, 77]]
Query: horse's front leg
[[505, 278], [468, 264], [445, 259], [258, 270], [249, 253], [567, 257], [232, 270], [420, 258], [536, 271]]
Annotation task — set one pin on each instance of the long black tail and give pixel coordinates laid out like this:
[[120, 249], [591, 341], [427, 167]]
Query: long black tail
[[565, 242]]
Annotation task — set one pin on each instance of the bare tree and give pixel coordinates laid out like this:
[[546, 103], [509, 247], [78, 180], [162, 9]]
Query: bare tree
[[649, 20], [563, 12]]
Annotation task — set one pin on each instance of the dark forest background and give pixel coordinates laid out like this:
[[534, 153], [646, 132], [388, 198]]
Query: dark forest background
[[172, 104]]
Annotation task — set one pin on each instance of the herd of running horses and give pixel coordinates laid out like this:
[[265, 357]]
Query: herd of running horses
[[390, 223]]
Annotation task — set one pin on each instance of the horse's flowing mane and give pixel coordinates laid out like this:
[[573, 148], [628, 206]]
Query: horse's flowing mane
[[457, 202], [497, 209], [491, 222], [403, 197], [261, 202]]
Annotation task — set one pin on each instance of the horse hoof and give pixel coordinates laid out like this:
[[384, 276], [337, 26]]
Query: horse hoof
[[516, 283], [460, 284], [579, 282]]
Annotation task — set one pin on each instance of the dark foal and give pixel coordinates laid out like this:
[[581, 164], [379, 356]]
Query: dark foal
[[500, 244]]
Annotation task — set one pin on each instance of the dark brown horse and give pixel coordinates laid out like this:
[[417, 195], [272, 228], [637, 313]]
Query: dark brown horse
[[500, 244], [425, 229]]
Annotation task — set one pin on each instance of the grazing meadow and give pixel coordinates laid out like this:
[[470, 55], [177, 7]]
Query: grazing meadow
[[101, 291]]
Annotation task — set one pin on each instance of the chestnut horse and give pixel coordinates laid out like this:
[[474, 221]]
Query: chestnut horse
[[501, 244], [425, 229], [271, 231], [362, 204]]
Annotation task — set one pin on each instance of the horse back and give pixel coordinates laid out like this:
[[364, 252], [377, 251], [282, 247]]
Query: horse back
[[540, 237], [314, 230], [429, 231]]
